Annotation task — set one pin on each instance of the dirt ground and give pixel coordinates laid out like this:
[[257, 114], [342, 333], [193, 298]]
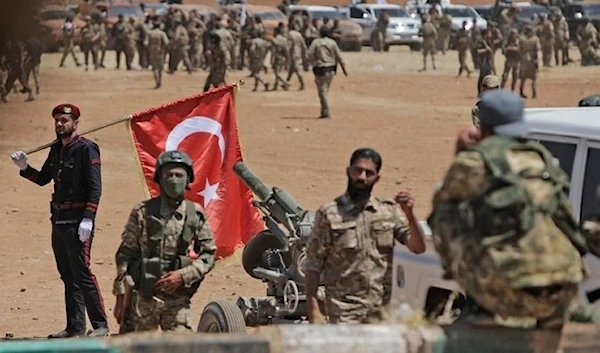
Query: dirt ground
[[410, 117]]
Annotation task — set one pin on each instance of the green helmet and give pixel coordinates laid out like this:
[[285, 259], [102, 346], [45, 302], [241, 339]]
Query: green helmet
[[174, 157]]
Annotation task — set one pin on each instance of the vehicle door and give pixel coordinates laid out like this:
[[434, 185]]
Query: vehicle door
[[364, 19]]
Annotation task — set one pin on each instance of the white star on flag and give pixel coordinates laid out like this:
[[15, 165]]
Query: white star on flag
[[209, 193]]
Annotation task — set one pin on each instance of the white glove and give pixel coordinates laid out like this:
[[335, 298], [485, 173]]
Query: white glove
[[85, 229], [20, 159]]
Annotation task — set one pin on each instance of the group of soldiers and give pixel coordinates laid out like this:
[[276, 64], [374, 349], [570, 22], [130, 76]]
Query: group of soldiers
[[19, 59], [547, 34]]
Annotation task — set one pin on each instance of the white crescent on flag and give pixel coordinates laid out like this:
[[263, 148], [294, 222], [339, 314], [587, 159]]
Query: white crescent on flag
[[191, 126]]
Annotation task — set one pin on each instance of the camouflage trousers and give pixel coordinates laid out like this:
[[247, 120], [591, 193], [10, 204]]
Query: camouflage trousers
[[561, 51], [443, 41], [172, 314], [216, 76], [372, 316], [547, 50], [378, 40], [510, 66], [156, 60], [296, 68], [278, 67]]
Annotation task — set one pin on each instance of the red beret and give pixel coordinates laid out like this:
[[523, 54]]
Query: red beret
[[66, 108]]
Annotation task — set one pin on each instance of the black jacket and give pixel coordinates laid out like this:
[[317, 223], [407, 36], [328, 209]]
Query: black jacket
[[75, 169]]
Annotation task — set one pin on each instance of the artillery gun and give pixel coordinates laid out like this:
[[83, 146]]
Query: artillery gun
[[275, 256]]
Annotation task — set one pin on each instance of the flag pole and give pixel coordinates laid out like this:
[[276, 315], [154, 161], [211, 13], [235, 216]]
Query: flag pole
[[138, 162], [99, 127]]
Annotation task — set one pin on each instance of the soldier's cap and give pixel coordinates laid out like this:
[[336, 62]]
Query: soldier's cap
[[67, 108], [502, 111], [490, 81]]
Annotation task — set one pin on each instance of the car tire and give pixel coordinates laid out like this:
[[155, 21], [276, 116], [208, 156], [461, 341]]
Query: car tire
[[416, 47]]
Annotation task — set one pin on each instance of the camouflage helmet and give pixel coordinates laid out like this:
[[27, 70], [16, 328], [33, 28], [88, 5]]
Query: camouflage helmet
[[174, 157], [590, 101]]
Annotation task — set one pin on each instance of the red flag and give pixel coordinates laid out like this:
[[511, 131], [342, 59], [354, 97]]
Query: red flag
[[204, 127]]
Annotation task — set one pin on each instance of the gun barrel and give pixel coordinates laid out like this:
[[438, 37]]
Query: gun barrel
[[251, 180]]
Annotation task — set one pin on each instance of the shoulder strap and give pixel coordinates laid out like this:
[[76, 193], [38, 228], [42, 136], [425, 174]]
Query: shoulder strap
[[191, 223], [152, 207]]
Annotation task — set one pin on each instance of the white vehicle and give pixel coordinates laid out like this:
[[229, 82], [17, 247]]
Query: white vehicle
[[351, 32], [402, 28], [573, 137]]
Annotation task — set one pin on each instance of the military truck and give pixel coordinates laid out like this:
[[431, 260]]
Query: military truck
[[573, 136]]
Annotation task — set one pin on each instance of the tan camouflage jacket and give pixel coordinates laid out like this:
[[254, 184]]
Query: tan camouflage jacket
[[352, 250], [134, 244]]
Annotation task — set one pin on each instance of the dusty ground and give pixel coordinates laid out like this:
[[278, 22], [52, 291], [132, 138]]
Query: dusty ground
[[410, 117]]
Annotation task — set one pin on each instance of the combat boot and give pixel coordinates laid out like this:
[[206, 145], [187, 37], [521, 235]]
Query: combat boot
[[66, 334], [266, 86], [99, 332]]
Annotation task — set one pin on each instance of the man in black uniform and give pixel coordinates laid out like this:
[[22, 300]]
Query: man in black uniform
[[74, 165]]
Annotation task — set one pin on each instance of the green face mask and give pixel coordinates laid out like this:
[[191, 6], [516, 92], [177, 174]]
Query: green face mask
[[174, 187]]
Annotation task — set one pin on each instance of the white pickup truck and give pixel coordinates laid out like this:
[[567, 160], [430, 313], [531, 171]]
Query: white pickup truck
[[573, 137]]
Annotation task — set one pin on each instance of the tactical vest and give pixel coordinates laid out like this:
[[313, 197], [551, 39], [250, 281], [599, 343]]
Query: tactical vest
[[153, 266], [523, 222]]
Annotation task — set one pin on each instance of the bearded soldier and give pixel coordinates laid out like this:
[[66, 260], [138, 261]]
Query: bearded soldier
[[167, 249]]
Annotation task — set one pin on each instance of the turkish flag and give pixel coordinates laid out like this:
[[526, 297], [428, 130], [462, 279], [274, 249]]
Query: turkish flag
[[203, 126]]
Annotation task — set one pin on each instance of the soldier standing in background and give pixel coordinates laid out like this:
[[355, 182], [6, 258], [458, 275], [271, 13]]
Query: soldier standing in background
[[89, 43], [172, 233], [130, 43], [180, 49], [379, 34], [280, 57], [528, 51], [142, 28], [463, 44], [68, 29], [218, 62], [561, 38], [119, 33], [429, 42], [297, 54], [484, 58], [14, 56], [259, 47], [310, 32], [195, 32], [156, 43], [490, 82], [102, 43], [511, 65], [235, 31], [351, 247], [324, 56], [249, 32], [444, 31], [587, 38], [546, 40], [33, 60], [475, 37]]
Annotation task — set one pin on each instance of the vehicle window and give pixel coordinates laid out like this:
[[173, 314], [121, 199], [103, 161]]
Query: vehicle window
[[461, 12], [332, 15], [564, 152], [125, 11], [528, 11], [55, 15], [591, 180], [356, 13], [271, 16], [592, 9], [392, 12]]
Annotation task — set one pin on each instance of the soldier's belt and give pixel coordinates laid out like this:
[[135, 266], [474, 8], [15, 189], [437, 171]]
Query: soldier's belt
[[68, 205]]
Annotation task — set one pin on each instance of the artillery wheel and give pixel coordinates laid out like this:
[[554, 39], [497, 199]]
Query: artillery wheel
[[222, 316], [252, 256]]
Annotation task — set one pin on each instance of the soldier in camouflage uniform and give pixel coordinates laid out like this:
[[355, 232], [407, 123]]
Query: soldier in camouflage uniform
[[379, 34], [475, 36], [219, 61], [489, 82], [463, 43], [529, 47], [510, 262], [68, 29], [546, 40], [561, 38], [90, 34], [310, 31], [298, 51], [511, 52], [429, 42], [280, 57], [168, 249], [257, 52], [485, 58], [156, 43], [102, 43], [180, 49], [120, 32], [587, 38], [351, 247], [445, 28]]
